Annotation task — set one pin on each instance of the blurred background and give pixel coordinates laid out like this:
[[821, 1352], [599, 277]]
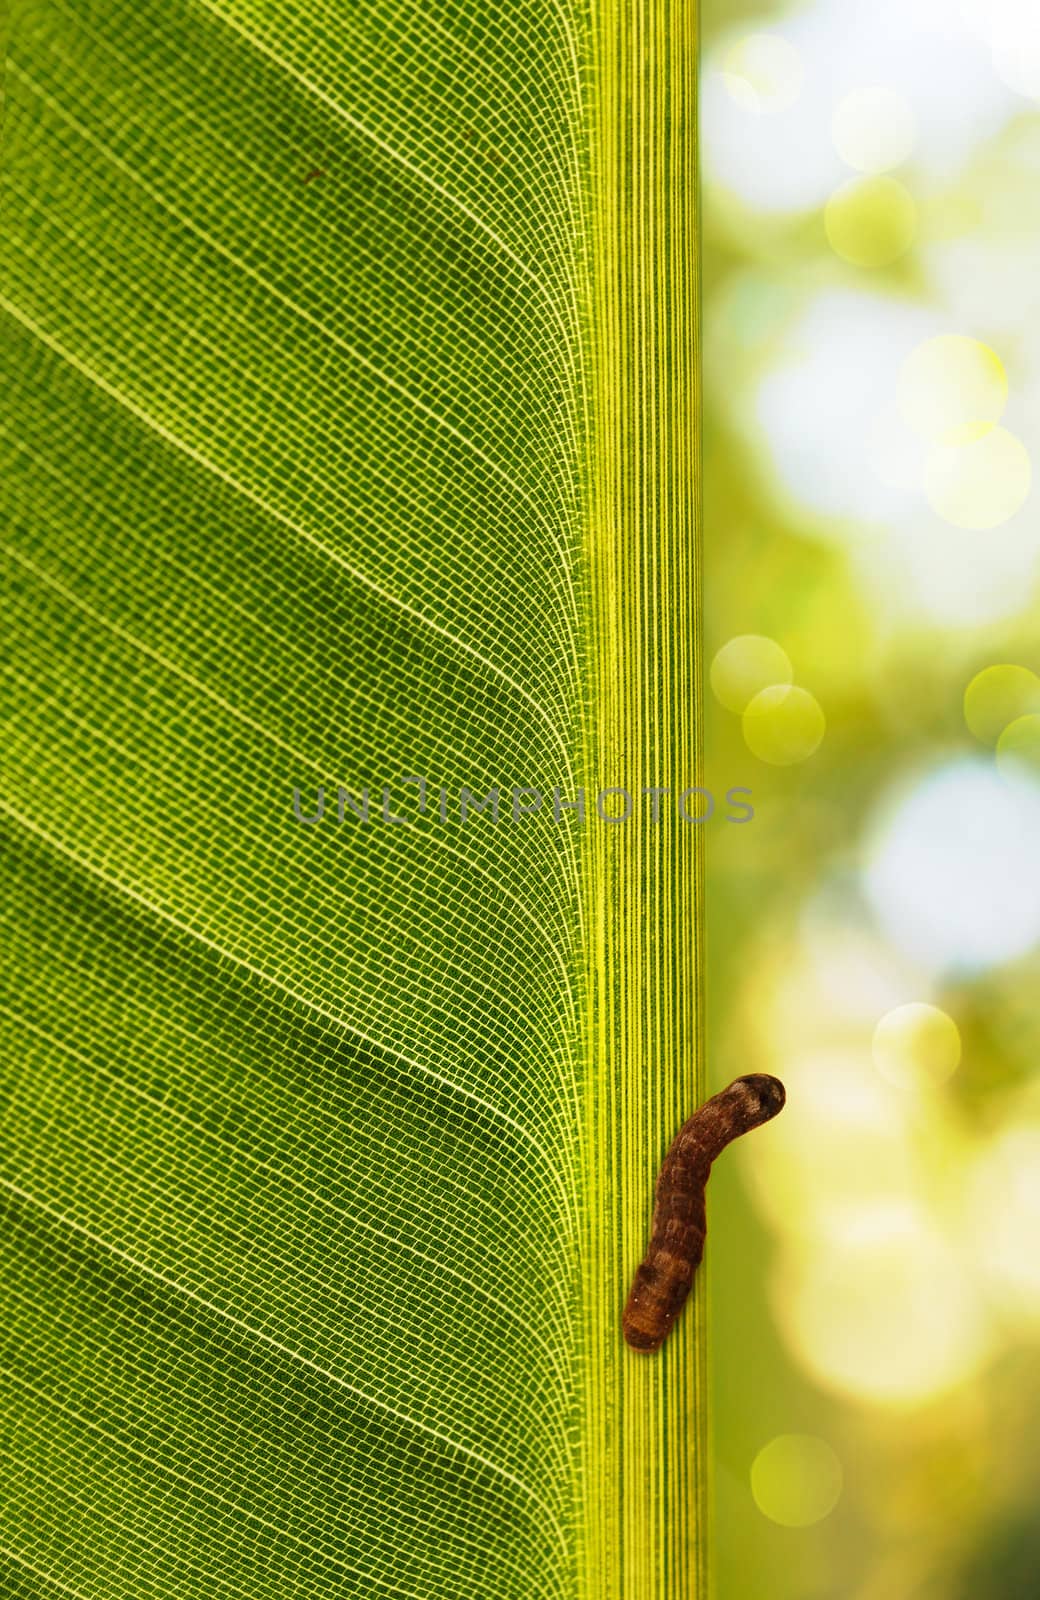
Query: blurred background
[[871, 189]]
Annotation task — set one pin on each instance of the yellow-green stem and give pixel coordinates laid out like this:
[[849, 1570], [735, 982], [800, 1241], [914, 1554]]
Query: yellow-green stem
[[646, 1424]]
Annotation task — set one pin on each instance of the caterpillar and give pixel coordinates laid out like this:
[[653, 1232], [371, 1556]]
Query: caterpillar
[[663, 1278]]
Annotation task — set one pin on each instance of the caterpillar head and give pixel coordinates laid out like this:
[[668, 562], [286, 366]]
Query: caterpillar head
[[763, 1096]]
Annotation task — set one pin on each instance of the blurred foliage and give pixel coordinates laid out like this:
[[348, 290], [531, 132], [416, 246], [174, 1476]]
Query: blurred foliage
[[873, 1273]]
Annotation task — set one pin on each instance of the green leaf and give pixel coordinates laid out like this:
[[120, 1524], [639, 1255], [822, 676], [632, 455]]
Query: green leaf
[[351, 356]]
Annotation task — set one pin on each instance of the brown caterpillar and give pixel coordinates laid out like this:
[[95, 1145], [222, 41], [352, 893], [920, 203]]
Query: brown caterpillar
[[664, 1276]]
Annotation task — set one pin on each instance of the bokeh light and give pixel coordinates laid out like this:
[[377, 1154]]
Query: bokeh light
[[1005, 1212], [997, 696], [1014, 37], [896, 455], [796, 1480], [885, 1312], [816, 424], [952, 389], [1017, 61], [872, 405], [870, 222], [746, 665], [841, 1143], [783, 725], [767, 156], [873, 129], [953, 870], [822, 417], [763, 72], [1018, 748], [981, 483], [916, 1044]]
